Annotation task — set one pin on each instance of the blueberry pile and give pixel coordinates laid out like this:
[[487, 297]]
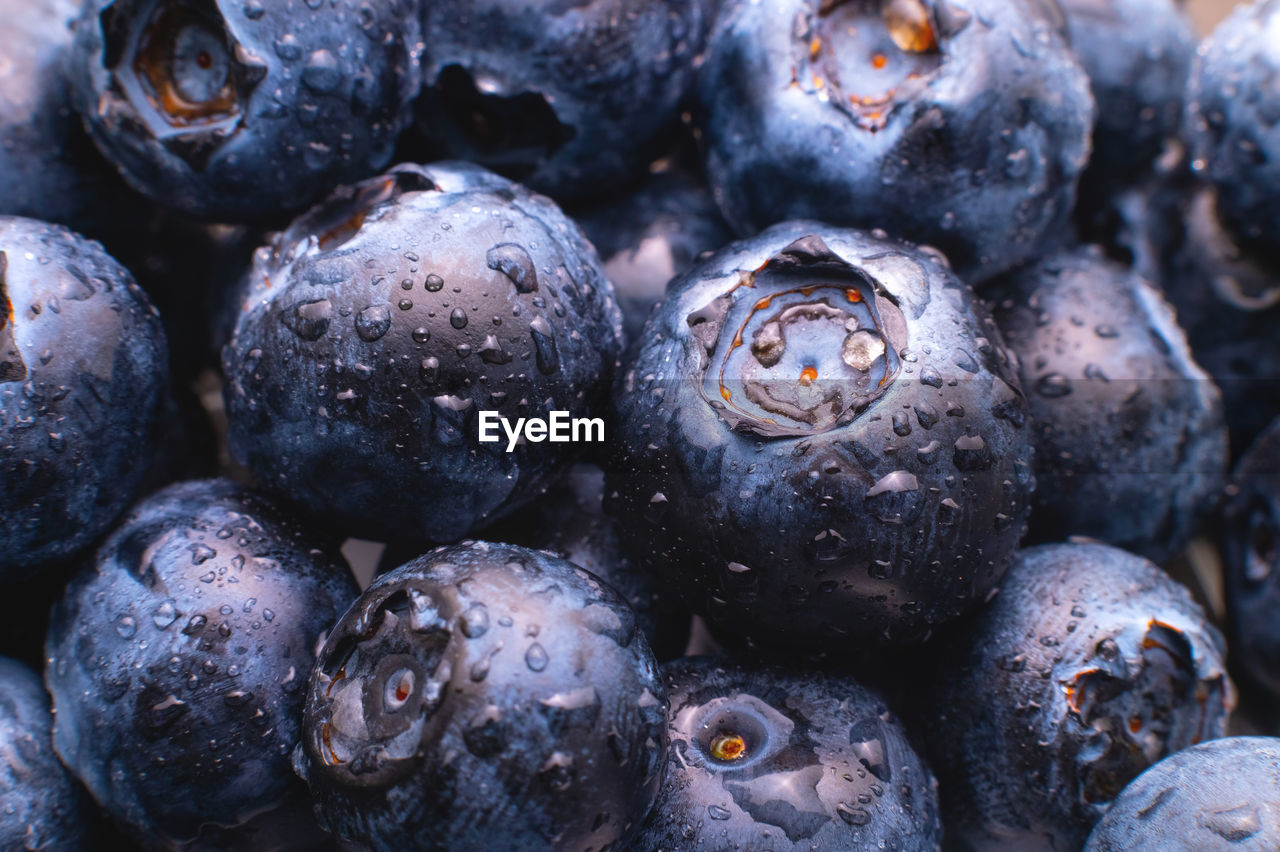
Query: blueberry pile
[[639, 426]]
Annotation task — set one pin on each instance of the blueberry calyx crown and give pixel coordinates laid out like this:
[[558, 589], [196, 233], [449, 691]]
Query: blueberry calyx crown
[[800, 346], [378, 686], [1134, 708], [179, 68], [338, 219], [513, 132], [887, 50]]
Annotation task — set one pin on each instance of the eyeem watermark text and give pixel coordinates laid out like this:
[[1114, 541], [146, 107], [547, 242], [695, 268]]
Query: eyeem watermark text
[[558, 428]]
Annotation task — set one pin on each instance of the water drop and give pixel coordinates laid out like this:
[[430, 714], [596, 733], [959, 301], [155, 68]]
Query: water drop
[[373, 322], [514, 262], [164, 615], [547, 353], [308, 320], [536, 657], [475, 621], [1053, 386]]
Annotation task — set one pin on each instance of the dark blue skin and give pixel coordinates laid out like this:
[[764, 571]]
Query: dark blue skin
[[178, 662], [1233, 121], [49, 168], [244, 111], [43, 806], [1251, 550], [800, 487], [652, 235], [1219, 796], [483, 697], [1090, 666], [82, 372], [982, 117], [1137, 54], [1227, 297], [569, 98], [771, 758], [570, 520], [1131, 445], [377, 326]]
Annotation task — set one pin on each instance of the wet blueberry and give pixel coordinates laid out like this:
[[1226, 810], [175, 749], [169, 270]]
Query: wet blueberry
[[1137, 54], [1089, 666], [178, 661], [648, 237], [41, 806], [482, 697], [234, 112], [1131, 446], [380, 325], [1219, 796], [822, 437], [767, 757], [82, 372], [1233, 121], [927, 118], [571, 98], [1251, 549]]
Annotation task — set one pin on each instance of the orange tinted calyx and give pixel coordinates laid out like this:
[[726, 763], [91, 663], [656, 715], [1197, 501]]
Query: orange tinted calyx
[[728, 747], [154, 64], [808, 375], [909, 26], [879, 61]]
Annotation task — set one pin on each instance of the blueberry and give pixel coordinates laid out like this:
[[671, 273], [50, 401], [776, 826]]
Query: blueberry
[[570, 520], [822, 438], [177, 662], [648, 237], [82, 371], [379, 325], [43, 806], [1089, 666], [484, 696], [1137, 54], [922, 117], [570, 98], [1131, 446], [1251, 551], [232, 110], [49, 169], [1218, 796], [1228, 300], [767, 757], [1233, 120]]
